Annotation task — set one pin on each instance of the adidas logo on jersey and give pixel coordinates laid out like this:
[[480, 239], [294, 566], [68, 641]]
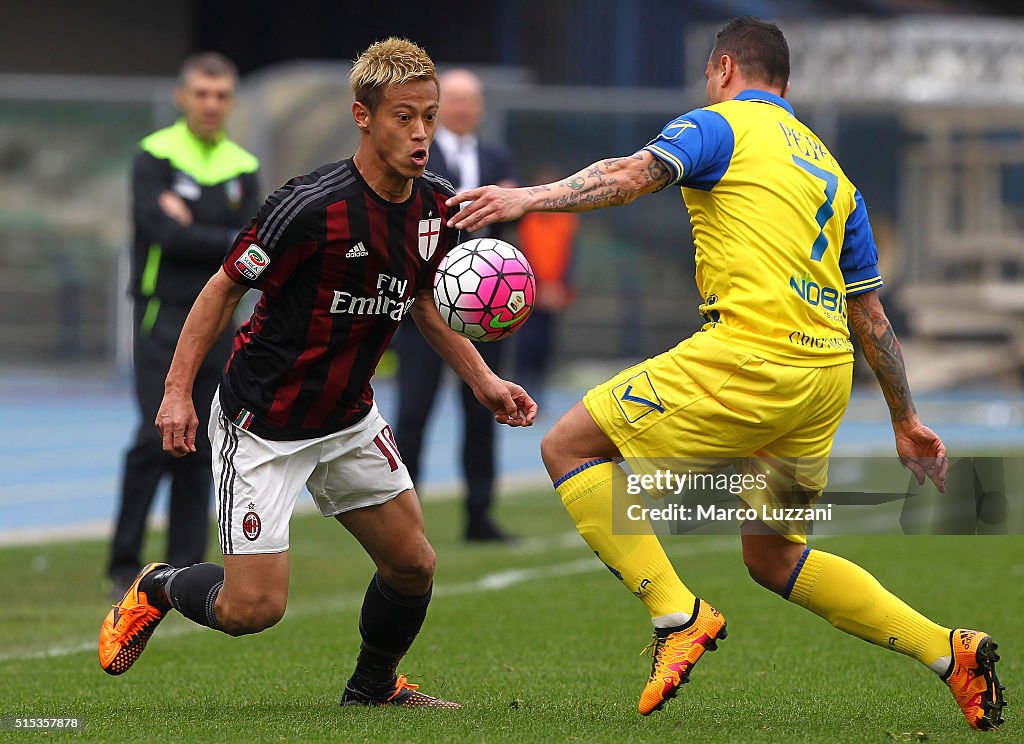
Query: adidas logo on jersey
[[357, 251]]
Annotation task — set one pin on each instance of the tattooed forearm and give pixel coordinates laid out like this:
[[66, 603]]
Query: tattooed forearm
[[606, 183], [882, 351], [584, 201]]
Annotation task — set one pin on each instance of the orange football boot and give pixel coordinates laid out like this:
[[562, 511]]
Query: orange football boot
[[128, 626], [675, 655], [972, 678]]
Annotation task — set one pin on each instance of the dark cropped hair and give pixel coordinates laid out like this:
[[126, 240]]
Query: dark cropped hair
[[213, 64], [758, 47]]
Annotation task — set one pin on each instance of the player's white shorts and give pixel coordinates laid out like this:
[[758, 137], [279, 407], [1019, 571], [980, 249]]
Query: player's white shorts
[[257, 481]]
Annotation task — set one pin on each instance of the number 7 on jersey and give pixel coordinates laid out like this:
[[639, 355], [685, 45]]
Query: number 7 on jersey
[[825, 211]]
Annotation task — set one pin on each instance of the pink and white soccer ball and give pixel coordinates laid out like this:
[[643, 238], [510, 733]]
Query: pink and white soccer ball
[[484, 289]]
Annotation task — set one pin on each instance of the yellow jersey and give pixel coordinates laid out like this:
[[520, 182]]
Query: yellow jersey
[[782, 236]]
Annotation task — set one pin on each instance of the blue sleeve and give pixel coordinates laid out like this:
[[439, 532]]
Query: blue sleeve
[[858, 258], [696, 148]]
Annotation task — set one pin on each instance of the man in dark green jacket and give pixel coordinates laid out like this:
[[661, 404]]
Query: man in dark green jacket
[[192, 190]]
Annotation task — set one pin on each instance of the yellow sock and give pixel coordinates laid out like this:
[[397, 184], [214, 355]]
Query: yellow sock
[[638, 560], [852, 600]]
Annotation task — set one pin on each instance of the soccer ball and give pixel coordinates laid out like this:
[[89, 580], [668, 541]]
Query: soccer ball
[[484, 289]]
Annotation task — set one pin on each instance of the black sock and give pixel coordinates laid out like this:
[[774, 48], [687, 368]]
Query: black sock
[[388, 623], [153, 585], [193, 592]]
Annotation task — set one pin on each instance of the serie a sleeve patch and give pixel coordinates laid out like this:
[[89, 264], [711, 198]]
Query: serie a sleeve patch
[[252, 262]]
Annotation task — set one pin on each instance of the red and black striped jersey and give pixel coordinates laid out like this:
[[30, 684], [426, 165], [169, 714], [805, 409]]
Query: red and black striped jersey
[[338, 267]]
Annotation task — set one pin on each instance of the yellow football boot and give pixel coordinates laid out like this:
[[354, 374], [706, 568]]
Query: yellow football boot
[[972, 678], [675, 655]]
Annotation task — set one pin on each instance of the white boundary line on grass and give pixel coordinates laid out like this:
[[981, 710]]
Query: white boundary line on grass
[[510, 485], [490, 582]]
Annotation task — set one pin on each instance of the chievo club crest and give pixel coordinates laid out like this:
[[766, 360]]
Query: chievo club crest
[[484, 289]]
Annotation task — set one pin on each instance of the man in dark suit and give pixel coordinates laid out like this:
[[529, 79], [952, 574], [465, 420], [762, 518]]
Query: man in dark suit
[[458, 155]]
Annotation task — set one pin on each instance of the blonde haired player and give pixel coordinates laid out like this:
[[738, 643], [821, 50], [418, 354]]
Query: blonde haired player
[[341, 255], [768, 377]]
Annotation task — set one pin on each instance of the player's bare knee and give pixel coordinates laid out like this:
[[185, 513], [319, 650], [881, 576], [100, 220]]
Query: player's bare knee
[[252, 622], [251, 616], [411, 571], [768, 568], [770, 558], [764, 574], [552, 453], [762, 567]]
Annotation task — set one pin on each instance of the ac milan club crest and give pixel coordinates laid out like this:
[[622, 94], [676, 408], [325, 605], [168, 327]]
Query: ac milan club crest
[[429, 232], [251, 525]]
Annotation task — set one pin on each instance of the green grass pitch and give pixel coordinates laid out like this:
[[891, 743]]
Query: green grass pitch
[[539, 643]]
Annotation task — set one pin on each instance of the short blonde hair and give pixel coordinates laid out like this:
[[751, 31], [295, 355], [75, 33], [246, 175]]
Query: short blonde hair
[[393, 61]]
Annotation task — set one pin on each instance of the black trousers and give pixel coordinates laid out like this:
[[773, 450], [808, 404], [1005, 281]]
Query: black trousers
[[419, 377], [146, 463]]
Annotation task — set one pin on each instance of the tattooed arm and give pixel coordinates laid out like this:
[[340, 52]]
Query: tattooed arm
[[920, 448], [606, 183], [882, 351]]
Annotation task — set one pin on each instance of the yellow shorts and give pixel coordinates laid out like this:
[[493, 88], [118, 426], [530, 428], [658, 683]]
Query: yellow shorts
[[706, 404]]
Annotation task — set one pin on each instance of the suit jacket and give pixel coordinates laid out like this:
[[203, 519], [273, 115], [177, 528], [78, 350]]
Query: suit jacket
[[495, 166]]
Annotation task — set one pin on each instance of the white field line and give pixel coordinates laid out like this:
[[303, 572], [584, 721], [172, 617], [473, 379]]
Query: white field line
[[509, 484], [490, 582]]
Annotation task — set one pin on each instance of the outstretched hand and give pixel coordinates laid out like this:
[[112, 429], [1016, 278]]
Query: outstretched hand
[[511, 404], [922, 452], [487, 205]]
